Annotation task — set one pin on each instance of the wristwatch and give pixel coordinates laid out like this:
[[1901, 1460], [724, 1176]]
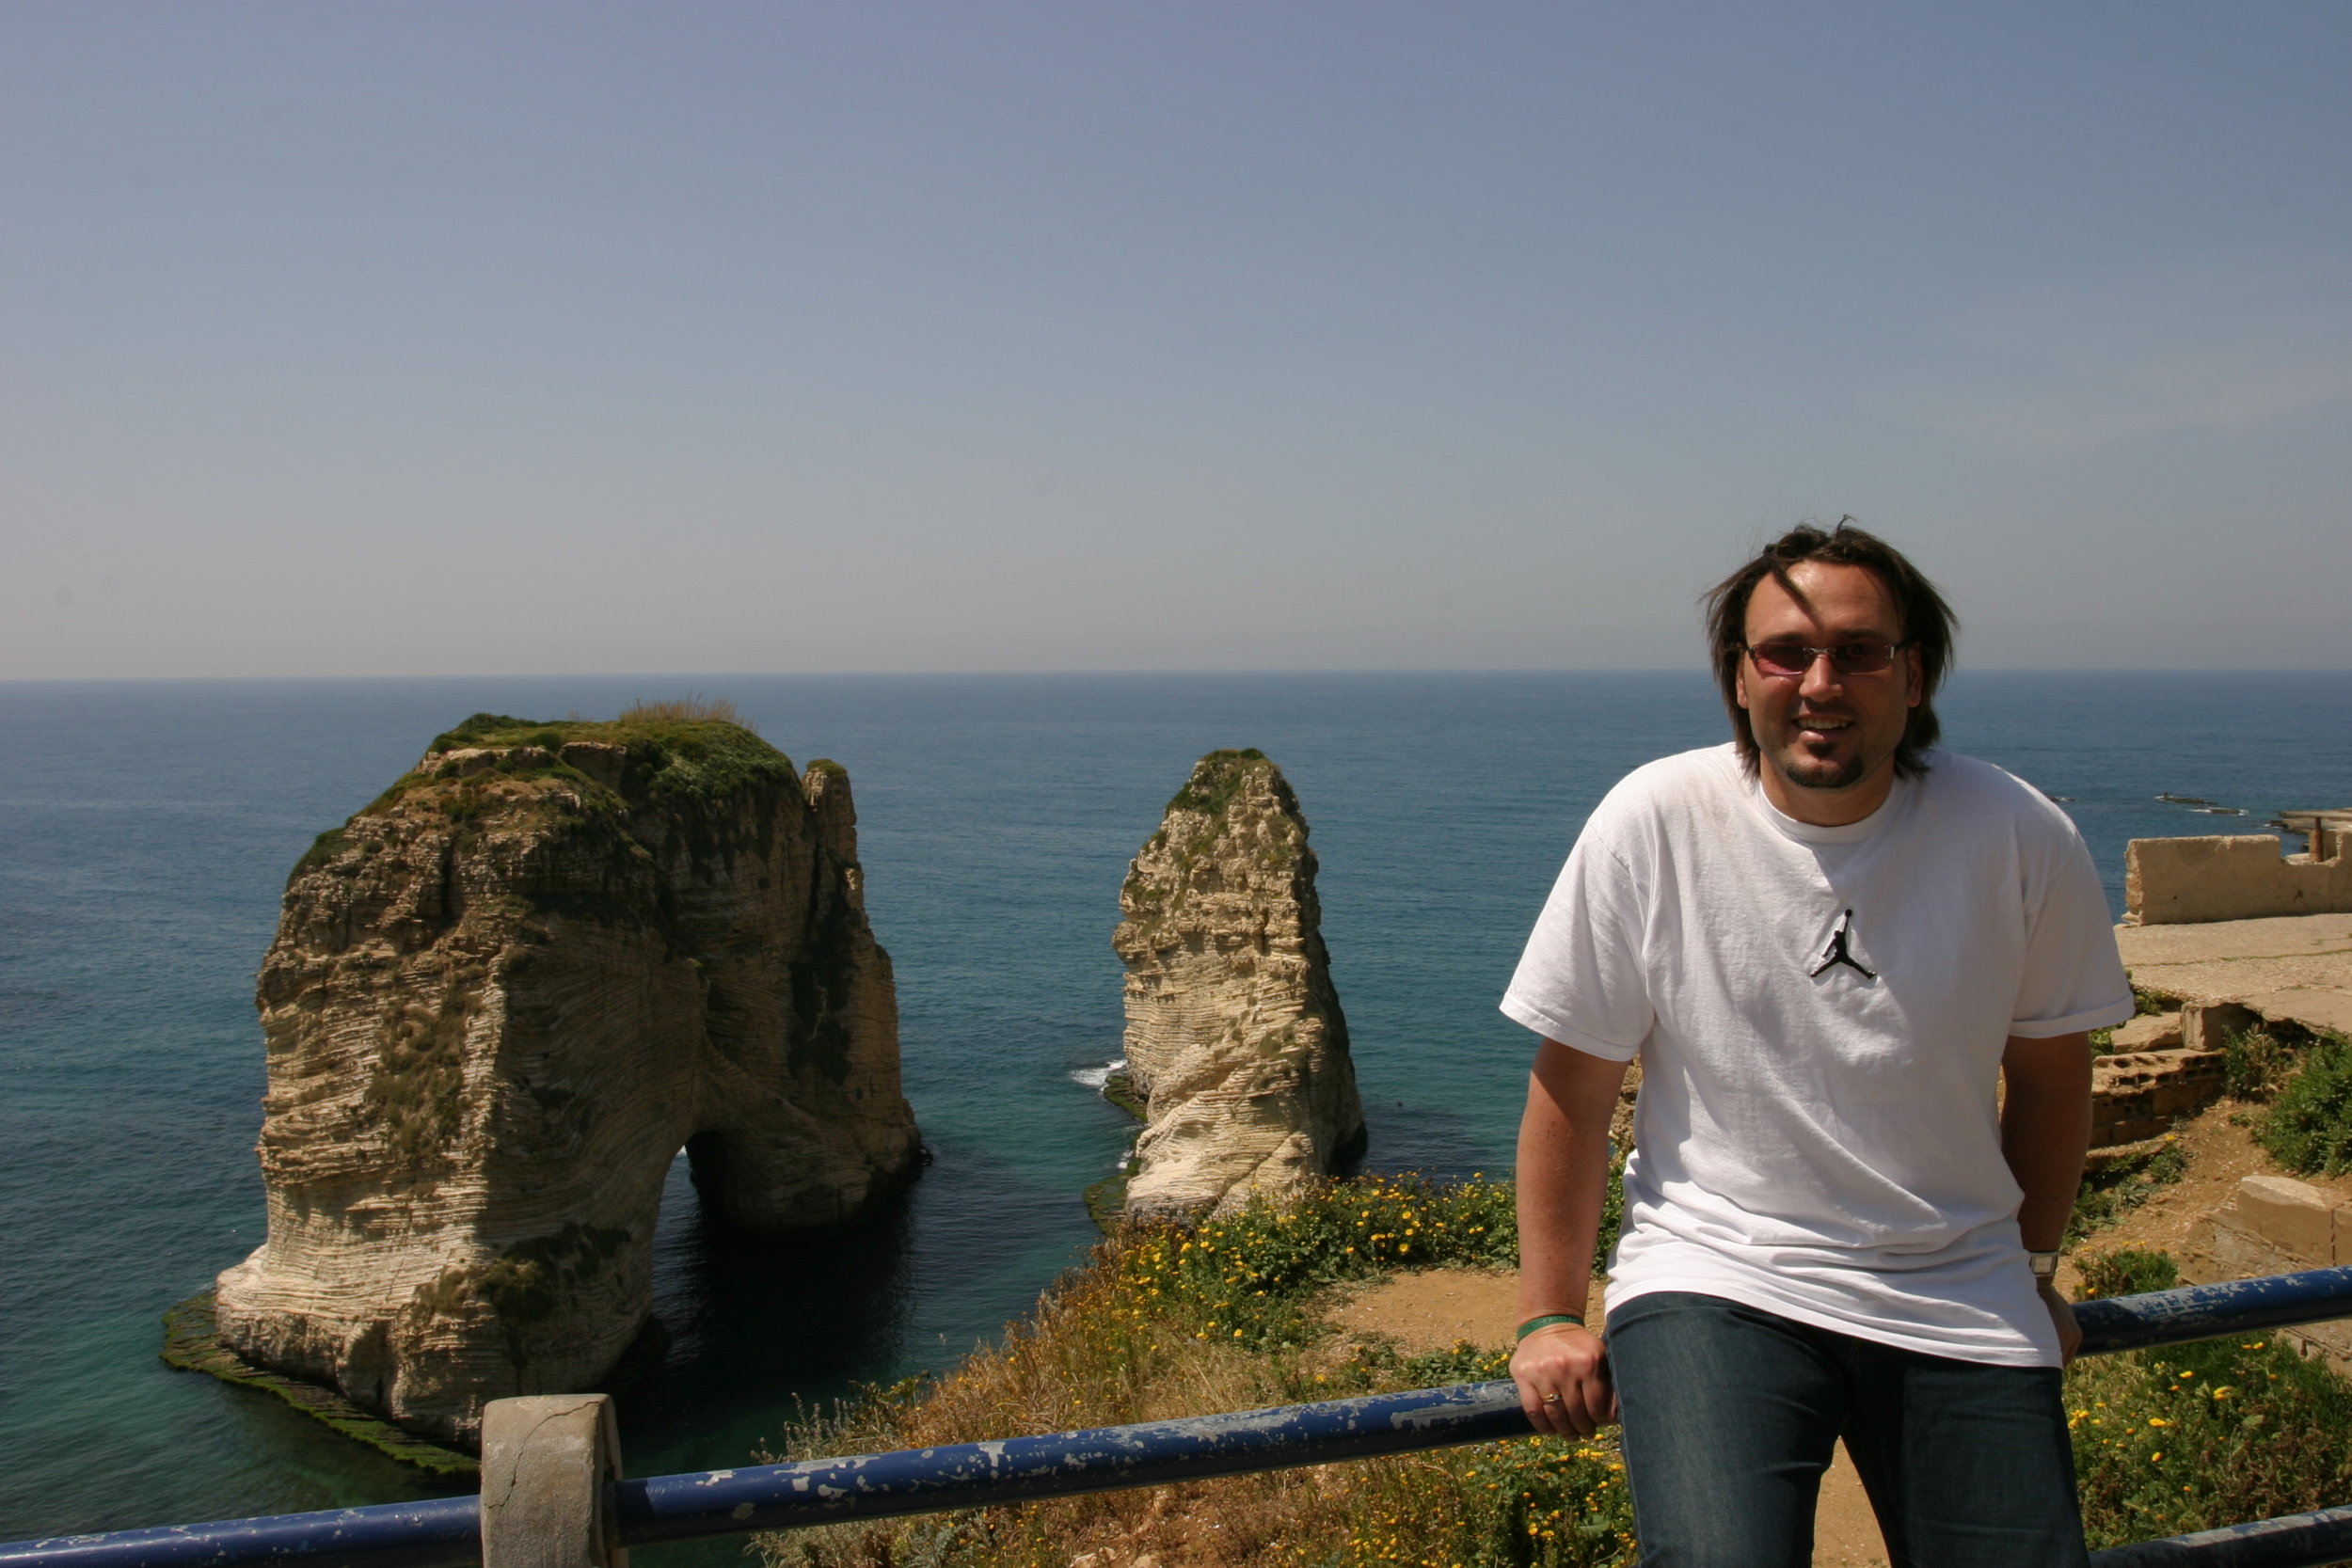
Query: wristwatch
[[2044, 1266]]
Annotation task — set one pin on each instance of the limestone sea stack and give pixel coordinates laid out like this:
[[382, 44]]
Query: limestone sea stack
[[1235, 1035], [501, 999]]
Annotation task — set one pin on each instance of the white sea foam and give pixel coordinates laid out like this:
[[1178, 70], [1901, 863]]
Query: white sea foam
[[1095, 1077]]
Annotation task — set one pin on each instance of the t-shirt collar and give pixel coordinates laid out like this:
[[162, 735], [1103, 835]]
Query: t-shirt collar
[[1807, 832]]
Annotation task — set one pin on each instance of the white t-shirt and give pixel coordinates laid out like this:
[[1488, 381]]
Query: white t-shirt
[[1820, 1139]]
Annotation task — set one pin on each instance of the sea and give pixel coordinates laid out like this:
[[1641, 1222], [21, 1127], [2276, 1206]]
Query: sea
[[147, 828]]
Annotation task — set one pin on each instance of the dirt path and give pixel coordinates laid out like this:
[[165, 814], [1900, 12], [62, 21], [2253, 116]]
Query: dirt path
[[2219, 1154]]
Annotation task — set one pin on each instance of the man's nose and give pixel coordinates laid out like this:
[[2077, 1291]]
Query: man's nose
[[1821, 675]]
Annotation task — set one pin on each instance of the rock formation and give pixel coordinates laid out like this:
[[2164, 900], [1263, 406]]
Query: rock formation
[[1235, 1035], [501, 999]]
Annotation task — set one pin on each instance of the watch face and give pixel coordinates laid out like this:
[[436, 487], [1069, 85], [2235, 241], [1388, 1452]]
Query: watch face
[[2044, 1267]]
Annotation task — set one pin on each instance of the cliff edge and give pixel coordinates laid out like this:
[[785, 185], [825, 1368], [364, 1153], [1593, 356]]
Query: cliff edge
[[501, 999], [1234, 1035]]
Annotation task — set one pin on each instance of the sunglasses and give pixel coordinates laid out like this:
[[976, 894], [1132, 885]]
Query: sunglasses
[[1847, 658]]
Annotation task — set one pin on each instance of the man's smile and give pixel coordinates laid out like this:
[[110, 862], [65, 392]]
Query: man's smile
[[1826, 734]]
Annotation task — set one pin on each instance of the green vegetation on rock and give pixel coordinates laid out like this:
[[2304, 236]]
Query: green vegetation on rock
[[2309, 1126], [2118, 1186], [683, 758], [1200, 811], [192, 1344], [521, 1286], [1106, 1200], [1216, 780], [683, 753], [690, 755], [322, 848], [416, 1090], [1119, 1087], [2257, 1062]]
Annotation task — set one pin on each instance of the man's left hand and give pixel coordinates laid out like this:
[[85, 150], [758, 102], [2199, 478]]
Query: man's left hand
[[2070, 1333]]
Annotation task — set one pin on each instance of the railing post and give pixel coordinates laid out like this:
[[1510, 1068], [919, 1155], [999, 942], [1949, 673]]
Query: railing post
[[548, 1461]]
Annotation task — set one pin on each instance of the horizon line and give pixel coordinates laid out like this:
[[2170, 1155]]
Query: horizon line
[[1128, 672]]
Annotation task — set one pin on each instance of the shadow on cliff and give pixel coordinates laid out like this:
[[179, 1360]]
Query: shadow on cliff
[[752, 1320]]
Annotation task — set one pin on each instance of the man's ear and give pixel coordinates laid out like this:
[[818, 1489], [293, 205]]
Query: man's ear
[[1739, 681]]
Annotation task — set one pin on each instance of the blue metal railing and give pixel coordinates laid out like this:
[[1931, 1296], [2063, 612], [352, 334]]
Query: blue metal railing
[[968, 1475]]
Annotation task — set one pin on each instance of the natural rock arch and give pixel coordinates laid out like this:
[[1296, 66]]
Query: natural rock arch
[[501, 997]]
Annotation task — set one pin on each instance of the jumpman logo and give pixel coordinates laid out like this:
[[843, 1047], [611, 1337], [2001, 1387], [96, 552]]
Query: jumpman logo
[[1837, 953]]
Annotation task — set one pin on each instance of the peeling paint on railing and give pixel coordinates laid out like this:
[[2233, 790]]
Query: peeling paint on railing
[[2207, 1311], [384, 1535], [970, 1475], [2297, 1541]]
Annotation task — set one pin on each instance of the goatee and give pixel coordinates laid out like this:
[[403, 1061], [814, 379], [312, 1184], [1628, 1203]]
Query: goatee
[[1806, 773]]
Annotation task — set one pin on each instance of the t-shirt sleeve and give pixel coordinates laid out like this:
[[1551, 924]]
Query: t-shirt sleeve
[[1582, 980], [2073, 978]]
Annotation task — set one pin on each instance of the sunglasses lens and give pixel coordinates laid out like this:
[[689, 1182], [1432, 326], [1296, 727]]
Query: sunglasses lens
[[1861, 658], [1847, 658]]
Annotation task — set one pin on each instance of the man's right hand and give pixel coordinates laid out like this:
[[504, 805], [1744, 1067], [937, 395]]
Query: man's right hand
[[1562, 1374]]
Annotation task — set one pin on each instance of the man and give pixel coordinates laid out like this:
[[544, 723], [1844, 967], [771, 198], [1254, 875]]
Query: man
[[1829, 946]]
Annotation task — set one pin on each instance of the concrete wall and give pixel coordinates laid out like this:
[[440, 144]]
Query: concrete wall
[[2273, 1225], [2138, 1095], [2177, 881]]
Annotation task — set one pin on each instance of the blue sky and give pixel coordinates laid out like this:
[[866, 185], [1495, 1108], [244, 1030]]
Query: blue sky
[[429, 338]]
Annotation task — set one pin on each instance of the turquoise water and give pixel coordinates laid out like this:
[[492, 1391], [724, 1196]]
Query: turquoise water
[[146, 829]]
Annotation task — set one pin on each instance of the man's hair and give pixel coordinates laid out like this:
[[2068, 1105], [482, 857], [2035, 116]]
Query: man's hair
[[1928, 623]]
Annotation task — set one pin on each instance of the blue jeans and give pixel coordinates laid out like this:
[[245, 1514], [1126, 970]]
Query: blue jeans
[[1730, 1414]]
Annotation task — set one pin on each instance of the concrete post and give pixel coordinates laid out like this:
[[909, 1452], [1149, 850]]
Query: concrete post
[[548, 1461], [2206, 1026]]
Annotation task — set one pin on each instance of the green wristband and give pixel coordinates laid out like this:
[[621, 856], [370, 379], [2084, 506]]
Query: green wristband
[[1546, 1321]]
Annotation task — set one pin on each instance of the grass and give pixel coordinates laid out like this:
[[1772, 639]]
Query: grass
[[2125, 1272], [1172, 1321], [2198, 1437], [2114, 1191], [2308, 1127], [693, 709], [687, 752], [1169, 1321], [2257, 1064], [1248, 1278]]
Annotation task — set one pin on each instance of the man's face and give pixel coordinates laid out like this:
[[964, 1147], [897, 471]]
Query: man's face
[[1824, 730]]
